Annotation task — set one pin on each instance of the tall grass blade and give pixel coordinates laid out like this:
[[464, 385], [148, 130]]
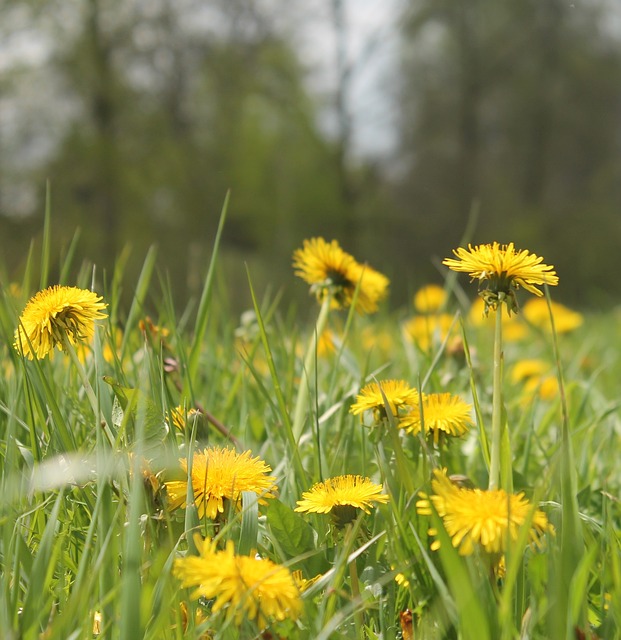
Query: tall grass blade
[[36, 603], [203, 307]]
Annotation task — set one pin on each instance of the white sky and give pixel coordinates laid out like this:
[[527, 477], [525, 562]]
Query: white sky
[[371, 45]]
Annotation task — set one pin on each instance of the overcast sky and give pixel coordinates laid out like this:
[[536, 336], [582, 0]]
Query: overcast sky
[[371, 47]]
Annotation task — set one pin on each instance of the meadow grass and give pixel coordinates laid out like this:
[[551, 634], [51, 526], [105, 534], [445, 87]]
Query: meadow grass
[[88, 538]]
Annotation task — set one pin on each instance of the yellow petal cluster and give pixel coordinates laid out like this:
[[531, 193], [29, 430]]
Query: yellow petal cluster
[[246, 587], [565, 320], [441, 414], [476, 518], [426, 330], [504, 266], [398, 393], [538, 379], [430, 299], [331, 271], [348, 490], [181, 418], [54, 315], [218, 474]]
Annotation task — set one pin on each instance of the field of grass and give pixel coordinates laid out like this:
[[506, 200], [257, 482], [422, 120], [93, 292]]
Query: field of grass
[[91, 543]]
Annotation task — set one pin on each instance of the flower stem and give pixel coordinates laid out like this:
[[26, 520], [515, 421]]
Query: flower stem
[[494, 468], [309, 363], [355, 592]]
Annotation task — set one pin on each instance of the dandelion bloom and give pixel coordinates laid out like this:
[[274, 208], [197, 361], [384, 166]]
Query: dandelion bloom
[[426, 330], [565, 320], [399, 396], [181, 418], [430, 299], [219, 474], [473, 517], [57, 314], [537, 377], [331, 271], [505, 269], [443, 414], [199, 619], [247, 587], [341, 496]]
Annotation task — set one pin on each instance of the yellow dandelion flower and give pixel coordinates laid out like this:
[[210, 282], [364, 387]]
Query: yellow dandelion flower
[[330, 270], [199, 618], [326, 345], [528, 368], [341, 496], [443, 414], [399, 394], [55, 314], [429, 299], [565, 320], [180, 418], [245, 587], [547, 387], [426, 330], [302, 583], [505, 269], [218, 474], [476, 518], [373, 339], [537, 378]]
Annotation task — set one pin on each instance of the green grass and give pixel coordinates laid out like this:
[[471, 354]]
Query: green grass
[[83, 531]]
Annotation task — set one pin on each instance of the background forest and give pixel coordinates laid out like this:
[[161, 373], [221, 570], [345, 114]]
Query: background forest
[[142, 114]]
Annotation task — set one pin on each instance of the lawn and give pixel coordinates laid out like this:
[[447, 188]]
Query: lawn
[[447, 470]]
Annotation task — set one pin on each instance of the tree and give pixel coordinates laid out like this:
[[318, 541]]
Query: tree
[[514, 106]]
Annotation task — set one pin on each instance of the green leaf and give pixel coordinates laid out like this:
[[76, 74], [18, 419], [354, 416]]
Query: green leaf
[[293, 533], [250, 523]]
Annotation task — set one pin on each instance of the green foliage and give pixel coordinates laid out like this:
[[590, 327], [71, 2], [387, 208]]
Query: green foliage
[[88, 529]]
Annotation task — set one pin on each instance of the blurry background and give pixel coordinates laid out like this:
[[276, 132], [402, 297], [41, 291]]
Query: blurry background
[[380, 123]]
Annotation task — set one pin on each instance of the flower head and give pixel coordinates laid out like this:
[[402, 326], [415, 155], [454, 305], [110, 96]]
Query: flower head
[[247, 587], [538, 379], [443, 414], [331, 271], [430, 299], [303, 583], [565, 320], [181, 418], [341, 496], [399, 395], [219, 474], [476, 518], [505, 269], [57, 314], [426, 330]]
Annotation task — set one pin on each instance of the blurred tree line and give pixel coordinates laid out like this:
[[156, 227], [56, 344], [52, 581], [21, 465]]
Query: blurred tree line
[[143, 113]]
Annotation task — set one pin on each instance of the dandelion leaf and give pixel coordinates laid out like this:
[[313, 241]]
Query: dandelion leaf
[[293, 533]]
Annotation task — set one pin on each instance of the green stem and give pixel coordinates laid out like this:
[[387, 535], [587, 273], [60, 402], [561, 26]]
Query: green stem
[[355, 592], [301, 401], [494, 469]]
